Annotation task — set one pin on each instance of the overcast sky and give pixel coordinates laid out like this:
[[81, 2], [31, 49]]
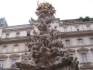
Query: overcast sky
[[18, 12]]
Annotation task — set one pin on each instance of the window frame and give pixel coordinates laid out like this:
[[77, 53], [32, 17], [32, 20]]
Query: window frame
[[67, 42], [84, 57], [17, 34], [80, 41]]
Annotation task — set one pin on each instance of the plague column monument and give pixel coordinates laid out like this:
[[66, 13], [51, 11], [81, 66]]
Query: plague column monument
[[45, 49]]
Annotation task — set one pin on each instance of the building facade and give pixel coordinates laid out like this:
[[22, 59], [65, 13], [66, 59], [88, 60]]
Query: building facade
[[77, 39]]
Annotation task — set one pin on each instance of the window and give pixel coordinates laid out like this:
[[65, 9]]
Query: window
[[4, 49], [84, 58], [15, 49], [91, 40], [77, 29], [7, 35], [13, 61], [28, 33], [80, 41], [67, 42], [1, 64], [17, 33], [55, 27]]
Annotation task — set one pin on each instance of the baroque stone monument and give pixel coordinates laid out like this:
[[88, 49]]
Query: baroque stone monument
[[45, 49]]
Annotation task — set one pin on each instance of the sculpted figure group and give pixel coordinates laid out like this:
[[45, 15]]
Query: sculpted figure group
[[46, 50]]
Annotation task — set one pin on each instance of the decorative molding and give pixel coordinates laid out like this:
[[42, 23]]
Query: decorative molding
[[16, 44], [3, 57], [78, 33], [79, 46], [14, 56], [71, 50], [13, 52], [86, 66], [83, 50], [4, 46]]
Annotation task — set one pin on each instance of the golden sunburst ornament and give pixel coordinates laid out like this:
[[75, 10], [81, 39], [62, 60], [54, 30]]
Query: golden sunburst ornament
[[45, 8]]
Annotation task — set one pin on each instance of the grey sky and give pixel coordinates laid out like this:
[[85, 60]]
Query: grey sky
[[18, 12]]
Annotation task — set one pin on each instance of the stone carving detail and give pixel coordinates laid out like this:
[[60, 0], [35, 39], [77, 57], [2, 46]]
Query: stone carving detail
[[46, 51]]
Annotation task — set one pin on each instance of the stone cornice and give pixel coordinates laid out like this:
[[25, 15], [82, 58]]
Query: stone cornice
[[78, 46], [15, 40], [17, 29], [78, 33], [61, 35], [75, 22], [12, 53], [3, 56]]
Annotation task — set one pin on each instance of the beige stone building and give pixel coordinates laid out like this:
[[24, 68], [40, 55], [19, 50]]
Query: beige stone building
[[77, 38]]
